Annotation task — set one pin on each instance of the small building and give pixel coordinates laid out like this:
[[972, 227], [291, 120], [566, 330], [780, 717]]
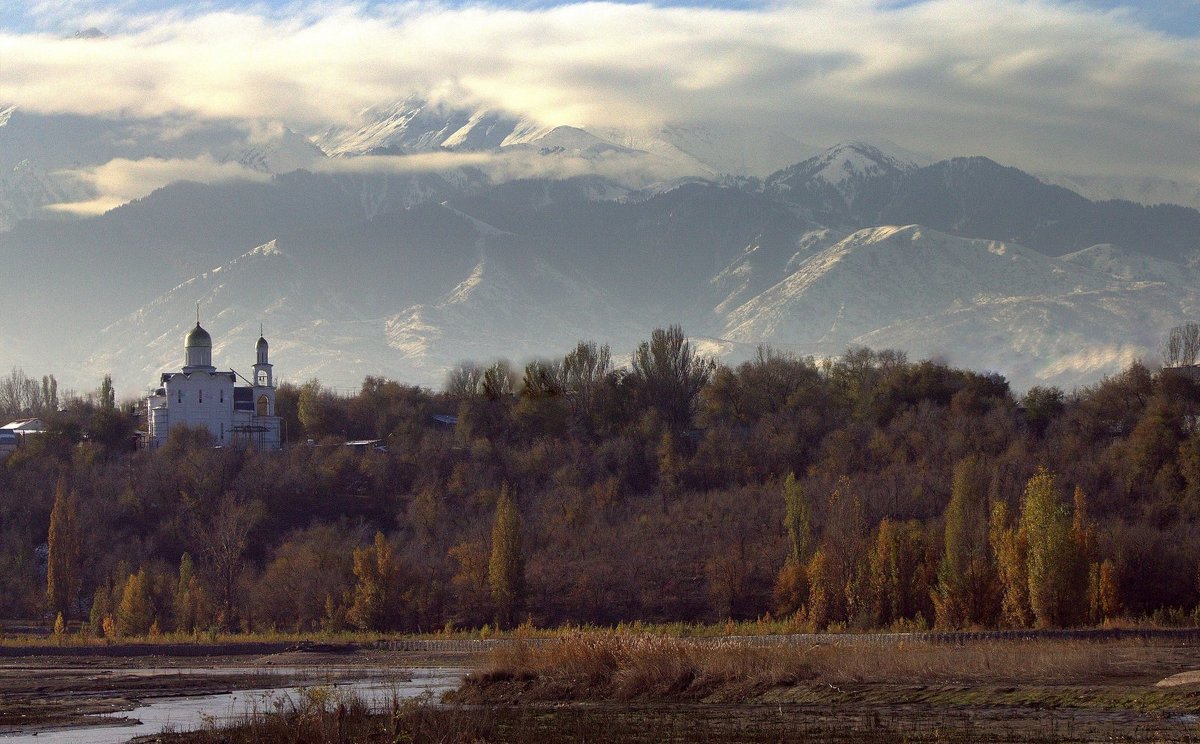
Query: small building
[[8, 443], [201, 395], [24, 427], [12, 433]]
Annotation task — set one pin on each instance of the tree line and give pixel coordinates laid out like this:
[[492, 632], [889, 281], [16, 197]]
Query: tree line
[[866, 491]]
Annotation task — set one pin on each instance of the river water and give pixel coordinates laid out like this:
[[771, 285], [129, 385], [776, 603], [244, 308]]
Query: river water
[[191, 713]]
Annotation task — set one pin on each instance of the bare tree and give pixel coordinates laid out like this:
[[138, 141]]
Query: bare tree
[[1182, 346], [543, 379], [20, 395], [464, 381], [583, 372], [670, 375], [1172, 350], [499, 381], [1190, 343], [222, 540]]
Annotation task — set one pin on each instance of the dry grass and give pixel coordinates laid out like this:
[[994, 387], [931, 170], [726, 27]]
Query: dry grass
[[659, 667], [319, 715]]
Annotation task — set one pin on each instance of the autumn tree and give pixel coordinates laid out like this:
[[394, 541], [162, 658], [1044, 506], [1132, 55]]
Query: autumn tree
[[1056, 594], [375, 572], [1009, 547], [791, 585], [833, 591], [316, 410], [967, 593], [135, 614], [898, 573], [506, 569], [63, 578], [184, 616]]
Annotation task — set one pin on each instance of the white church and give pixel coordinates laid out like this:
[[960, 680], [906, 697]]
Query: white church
[[200, 395]]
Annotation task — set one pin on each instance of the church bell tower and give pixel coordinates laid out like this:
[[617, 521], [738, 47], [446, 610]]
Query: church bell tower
[[264, 383]]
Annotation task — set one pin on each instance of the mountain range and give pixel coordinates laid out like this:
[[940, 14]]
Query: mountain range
[[357, 263]]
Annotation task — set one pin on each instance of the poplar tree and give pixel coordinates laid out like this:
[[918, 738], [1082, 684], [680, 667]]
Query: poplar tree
[[967, 591], [506, 569], [797, 518], [185, 596], [1056, 592], [108, 395], [791, 584], [62, 565]]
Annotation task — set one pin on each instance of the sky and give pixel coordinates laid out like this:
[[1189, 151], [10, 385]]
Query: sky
[[1080, 86]]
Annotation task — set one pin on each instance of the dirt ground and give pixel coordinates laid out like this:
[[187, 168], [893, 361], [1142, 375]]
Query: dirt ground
[[42, 692]]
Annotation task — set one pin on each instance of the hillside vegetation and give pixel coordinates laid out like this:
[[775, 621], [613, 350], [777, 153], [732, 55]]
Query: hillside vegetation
[[863, 492]]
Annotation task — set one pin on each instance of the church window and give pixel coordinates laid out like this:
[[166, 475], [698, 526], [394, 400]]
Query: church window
[[263, 406], [201, 396], [180, 396], [222, 395]]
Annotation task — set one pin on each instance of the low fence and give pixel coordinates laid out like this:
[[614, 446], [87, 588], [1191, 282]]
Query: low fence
[[1179, 635]]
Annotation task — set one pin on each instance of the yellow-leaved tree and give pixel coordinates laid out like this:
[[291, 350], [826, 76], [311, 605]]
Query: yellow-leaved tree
[[63, 577], [968, 590], [374, 591], [506, 569]]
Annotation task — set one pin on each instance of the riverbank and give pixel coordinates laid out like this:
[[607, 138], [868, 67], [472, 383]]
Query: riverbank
[[97, 686], [604, 687]]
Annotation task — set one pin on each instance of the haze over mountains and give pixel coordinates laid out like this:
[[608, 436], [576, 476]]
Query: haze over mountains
[[424, 235]]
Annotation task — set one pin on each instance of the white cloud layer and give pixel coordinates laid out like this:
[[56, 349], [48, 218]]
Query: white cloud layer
[[121, 180], [1041, 84]]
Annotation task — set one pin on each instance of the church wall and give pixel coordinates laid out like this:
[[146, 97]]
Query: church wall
[[214, 410]]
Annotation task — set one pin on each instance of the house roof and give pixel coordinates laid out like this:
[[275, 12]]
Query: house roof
[[25, 425]]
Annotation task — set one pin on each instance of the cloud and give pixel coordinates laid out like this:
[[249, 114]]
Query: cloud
[[1042, 84], [632, 169], [121, 180]]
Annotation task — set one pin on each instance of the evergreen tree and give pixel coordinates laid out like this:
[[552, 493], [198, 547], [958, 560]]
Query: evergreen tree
[[506, 569], [62, 566]]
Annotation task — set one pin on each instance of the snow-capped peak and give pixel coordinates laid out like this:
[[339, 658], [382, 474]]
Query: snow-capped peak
[[854, 159]]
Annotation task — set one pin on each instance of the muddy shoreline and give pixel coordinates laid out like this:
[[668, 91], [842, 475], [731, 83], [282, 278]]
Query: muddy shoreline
[[89, 685]]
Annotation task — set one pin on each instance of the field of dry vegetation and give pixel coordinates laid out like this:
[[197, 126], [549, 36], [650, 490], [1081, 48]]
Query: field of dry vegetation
[[635, 688]]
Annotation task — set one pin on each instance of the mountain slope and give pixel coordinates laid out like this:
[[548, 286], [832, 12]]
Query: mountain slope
[[986, 304]]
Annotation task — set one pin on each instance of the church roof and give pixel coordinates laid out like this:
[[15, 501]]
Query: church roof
[[197, 337]]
